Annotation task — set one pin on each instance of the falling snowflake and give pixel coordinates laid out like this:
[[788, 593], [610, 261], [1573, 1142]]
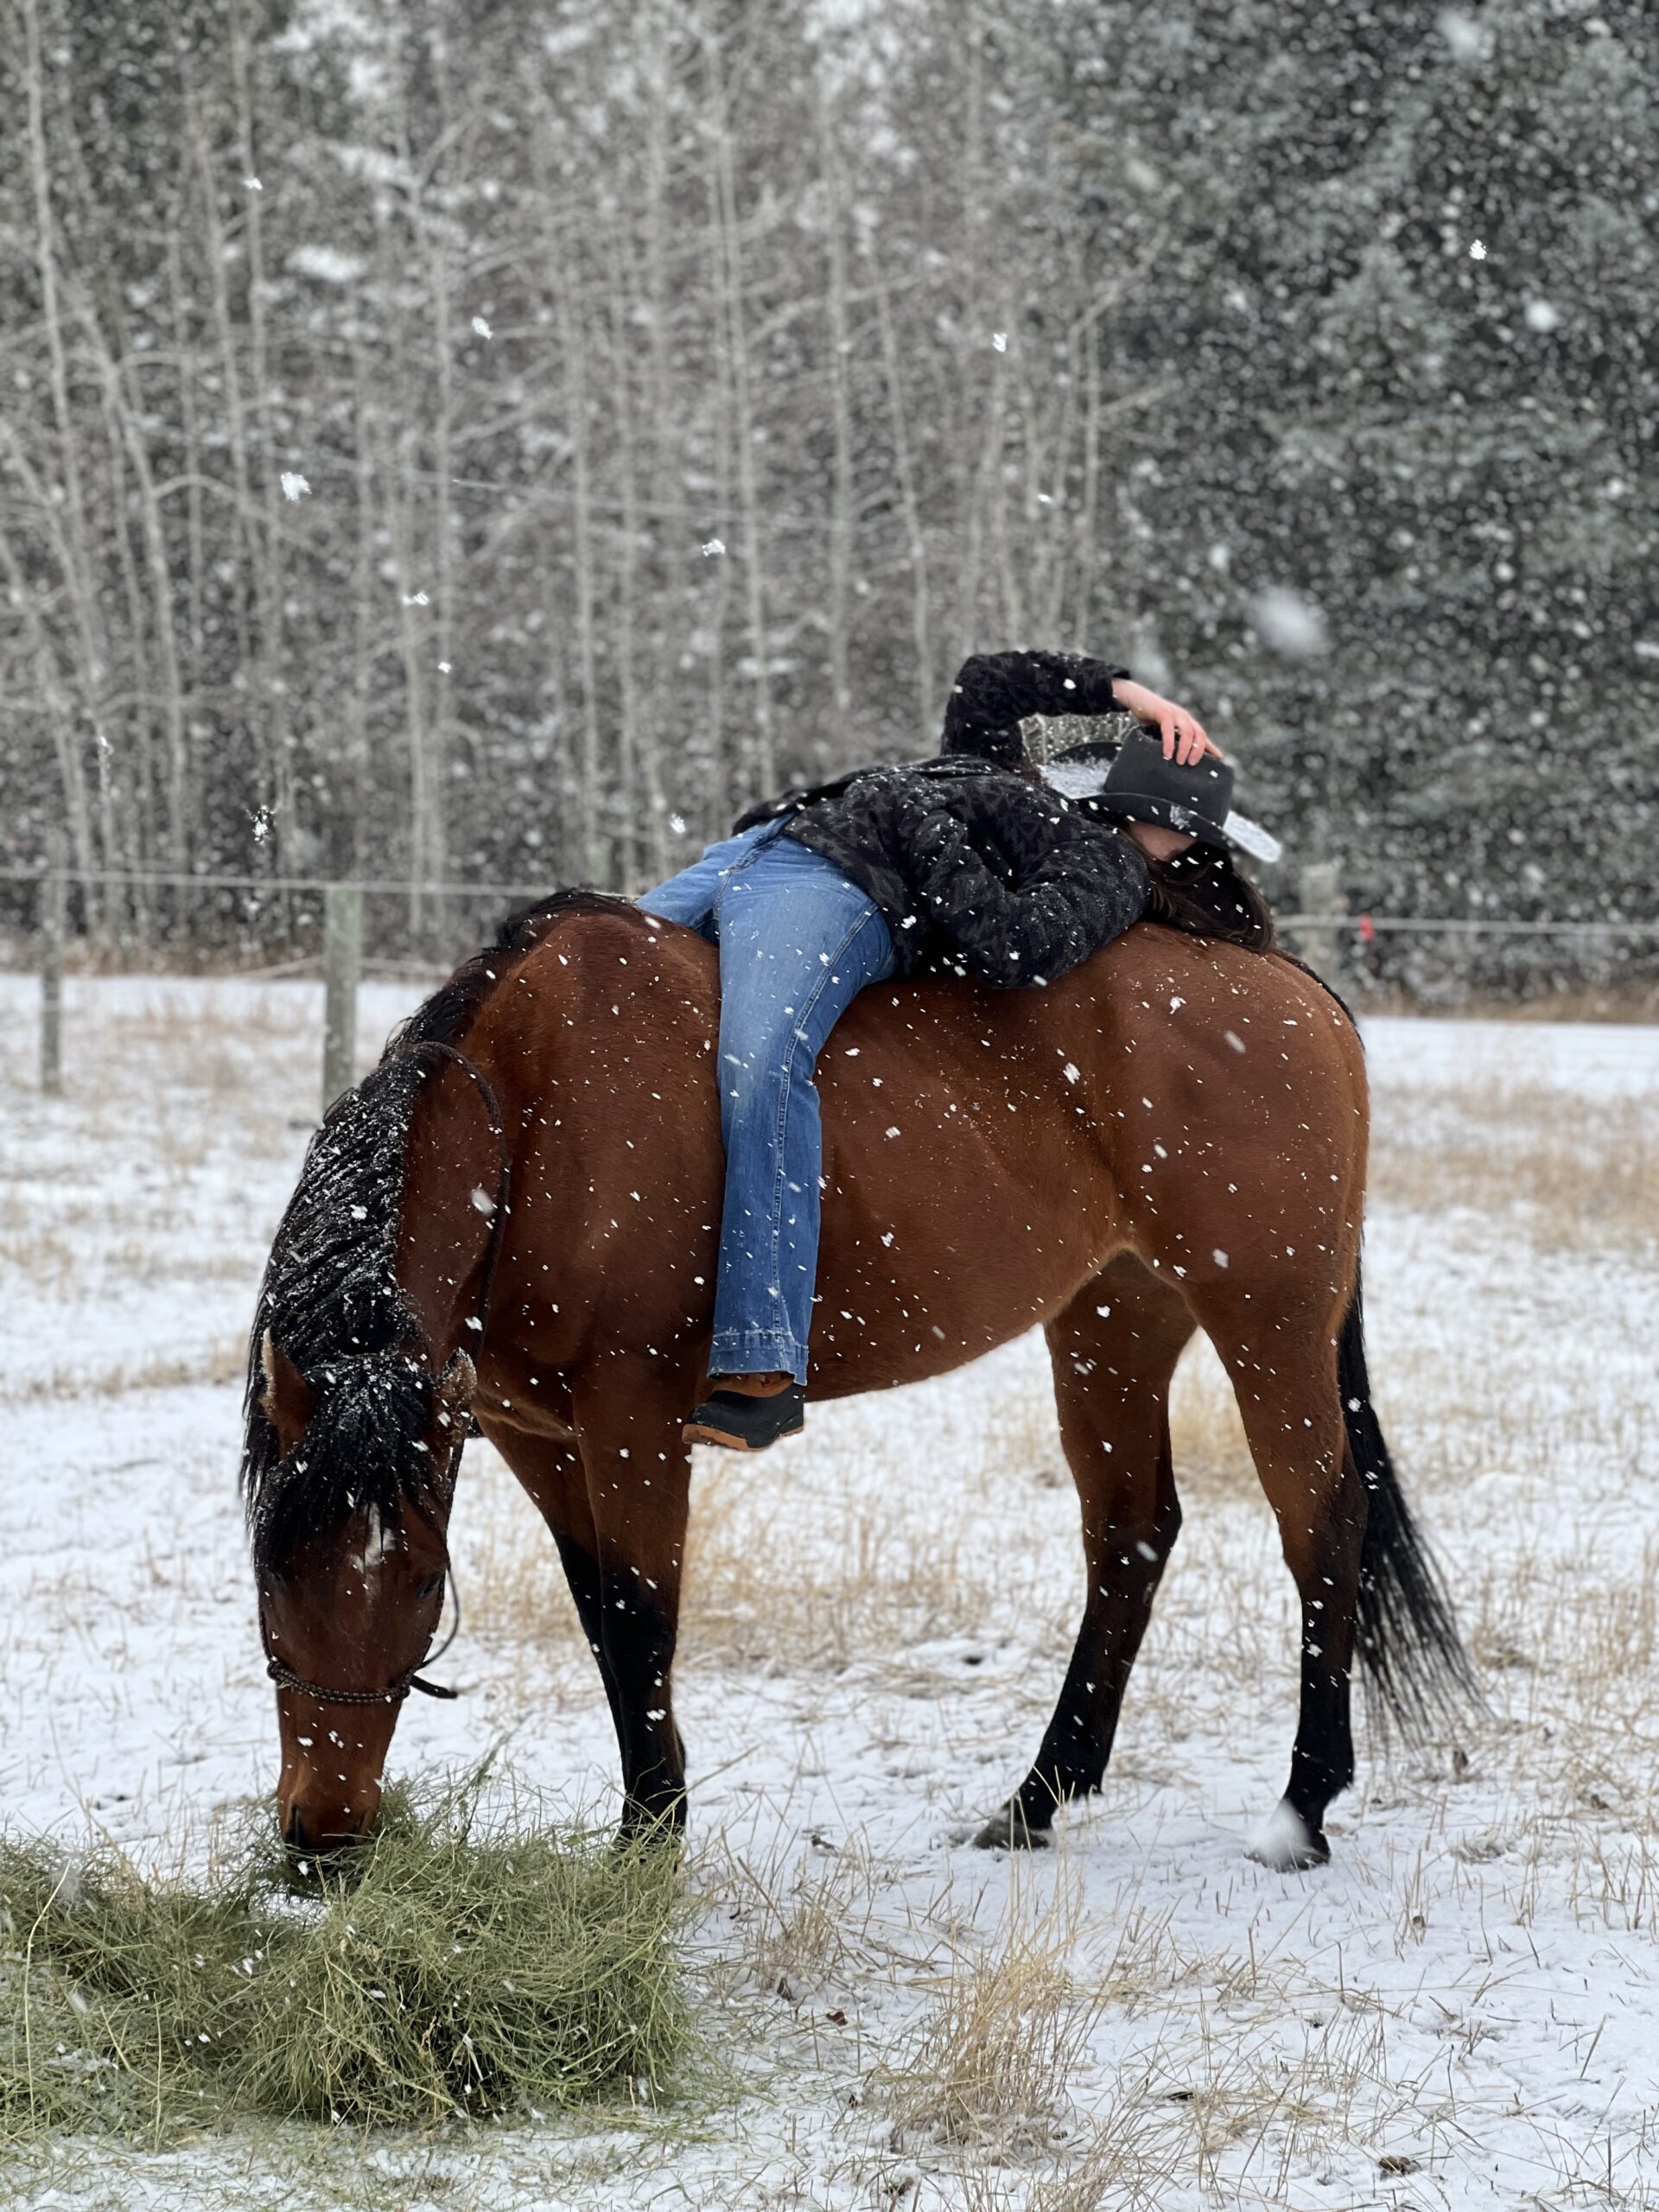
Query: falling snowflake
[[999, 339], [480, 324], [261, 825], [294, 484], [1288, 623], [677, 824], [1541, 316], [416, 599], [1477, 251], [253, 184], [1465, 37], [444, 667], [712, 547]]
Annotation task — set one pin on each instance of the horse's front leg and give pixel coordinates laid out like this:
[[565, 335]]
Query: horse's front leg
[[628, 1416], [552, 1476]]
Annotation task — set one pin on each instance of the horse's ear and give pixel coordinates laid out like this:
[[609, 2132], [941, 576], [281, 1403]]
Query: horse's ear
[[458, 1387], [288, 1401]]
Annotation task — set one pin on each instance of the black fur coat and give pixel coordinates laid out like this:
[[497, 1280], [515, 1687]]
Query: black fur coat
[[976, 867]]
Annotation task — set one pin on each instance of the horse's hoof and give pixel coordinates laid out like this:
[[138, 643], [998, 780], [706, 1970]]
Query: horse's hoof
[[649, 1835], [1286, 1844], [1009, 1830]]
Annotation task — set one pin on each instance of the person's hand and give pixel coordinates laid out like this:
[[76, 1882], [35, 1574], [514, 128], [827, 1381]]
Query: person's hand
[[1183, 737]]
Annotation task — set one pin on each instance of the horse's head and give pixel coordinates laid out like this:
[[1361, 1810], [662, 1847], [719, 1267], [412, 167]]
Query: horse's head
[[351, 1547]]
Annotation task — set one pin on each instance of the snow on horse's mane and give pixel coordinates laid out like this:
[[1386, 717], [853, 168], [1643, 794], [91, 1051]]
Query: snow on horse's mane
[[331, 1299]]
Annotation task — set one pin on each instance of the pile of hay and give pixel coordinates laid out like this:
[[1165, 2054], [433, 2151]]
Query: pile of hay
[[463, 1967]]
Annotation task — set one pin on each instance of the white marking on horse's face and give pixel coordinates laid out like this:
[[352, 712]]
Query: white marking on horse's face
[[380, 1541]]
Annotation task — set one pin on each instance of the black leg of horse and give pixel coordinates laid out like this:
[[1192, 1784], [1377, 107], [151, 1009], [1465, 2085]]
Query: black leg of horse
[[1111, 1378], [1284, 1373], [638, 1486], [551, 1474]]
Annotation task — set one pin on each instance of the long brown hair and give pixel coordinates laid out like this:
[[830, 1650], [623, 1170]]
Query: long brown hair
[[1202, 892]]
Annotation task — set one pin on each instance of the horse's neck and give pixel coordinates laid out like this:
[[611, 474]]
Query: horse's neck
[[453, 1187]]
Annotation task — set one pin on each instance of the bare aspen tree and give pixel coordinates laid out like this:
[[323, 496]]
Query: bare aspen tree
[[909, 503], [640, 769], [57, 706], [192, 480], [573, 347], [168, 704], [661, 427], [724, 767], [263, 465], [752, 547], [843, 520], [366, 619], [66, 516]]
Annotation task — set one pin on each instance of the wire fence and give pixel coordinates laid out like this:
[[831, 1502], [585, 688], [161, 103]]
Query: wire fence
[[1351, 950]]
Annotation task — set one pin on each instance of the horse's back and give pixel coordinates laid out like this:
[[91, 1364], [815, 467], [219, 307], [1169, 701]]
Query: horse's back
[[986, 1153]]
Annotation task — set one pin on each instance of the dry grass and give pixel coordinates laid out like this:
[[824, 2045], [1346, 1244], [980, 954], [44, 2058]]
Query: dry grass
[[995, 2060], [801, 1925], [219, 1364], [798, 1562], [794, 1564], [1583, 1179]]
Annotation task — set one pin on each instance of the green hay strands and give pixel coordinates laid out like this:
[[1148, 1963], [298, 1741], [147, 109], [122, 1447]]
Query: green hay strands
[[463, 1967]]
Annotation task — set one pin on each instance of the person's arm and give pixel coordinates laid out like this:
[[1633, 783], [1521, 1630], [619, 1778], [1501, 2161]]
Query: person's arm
[[995, 692], [1012, 891]]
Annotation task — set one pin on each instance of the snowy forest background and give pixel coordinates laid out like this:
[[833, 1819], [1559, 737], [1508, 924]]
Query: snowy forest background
[[465, 439]]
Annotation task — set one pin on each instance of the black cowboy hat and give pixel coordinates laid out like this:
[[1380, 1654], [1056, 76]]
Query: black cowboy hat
[[1134, 780]]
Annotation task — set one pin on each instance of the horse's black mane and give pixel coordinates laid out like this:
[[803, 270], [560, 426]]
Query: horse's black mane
[[331, 1299]]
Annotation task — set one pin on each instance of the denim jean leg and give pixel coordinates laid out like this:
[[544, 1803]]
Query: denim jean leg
[[798, 942], [690, 896]]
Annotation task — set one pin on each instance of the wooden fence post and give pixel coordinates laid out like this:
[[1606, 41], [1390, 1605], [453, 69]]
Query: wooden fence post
[[1321, 894], [54, 926], [342, 964]]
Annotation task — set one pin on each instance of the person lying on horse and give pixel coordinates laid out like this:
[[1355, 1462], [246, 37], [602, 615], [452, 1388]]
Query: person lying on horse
[[985, 861]]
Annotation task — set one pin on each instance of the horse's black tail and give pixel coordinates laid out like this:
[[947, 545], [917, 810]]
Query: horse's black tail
[[1417, 1672]]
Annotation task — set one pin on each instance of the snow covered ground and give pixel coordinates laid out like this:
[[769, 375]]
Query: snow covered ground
[[1462, 2010]]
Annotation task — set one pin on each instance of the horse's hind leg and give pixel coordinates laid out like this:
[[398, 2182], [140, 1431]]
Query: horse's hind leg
[[1283, 1370], [1114, 1351]]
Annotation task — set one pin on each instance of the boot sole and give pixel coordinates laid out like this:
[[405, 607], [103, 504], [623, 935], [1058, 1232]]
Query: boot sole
[[698, 1433]]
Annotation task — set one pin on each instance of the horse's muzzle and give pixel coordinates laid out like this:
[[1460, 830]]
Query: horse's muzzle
[[327, 1838]]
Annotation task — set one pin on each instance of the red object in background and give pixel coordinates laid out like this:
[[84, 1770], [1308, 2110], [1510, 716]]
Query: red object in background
[[1367, 931]]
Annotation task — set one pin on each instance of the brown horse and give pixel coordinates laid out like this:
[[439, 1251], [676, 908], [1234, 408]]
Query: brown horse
[[515, 1218]]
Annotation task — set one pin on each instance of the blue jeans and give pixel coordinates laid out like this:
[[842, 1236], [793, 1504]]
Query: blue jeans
[[798, 941]]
